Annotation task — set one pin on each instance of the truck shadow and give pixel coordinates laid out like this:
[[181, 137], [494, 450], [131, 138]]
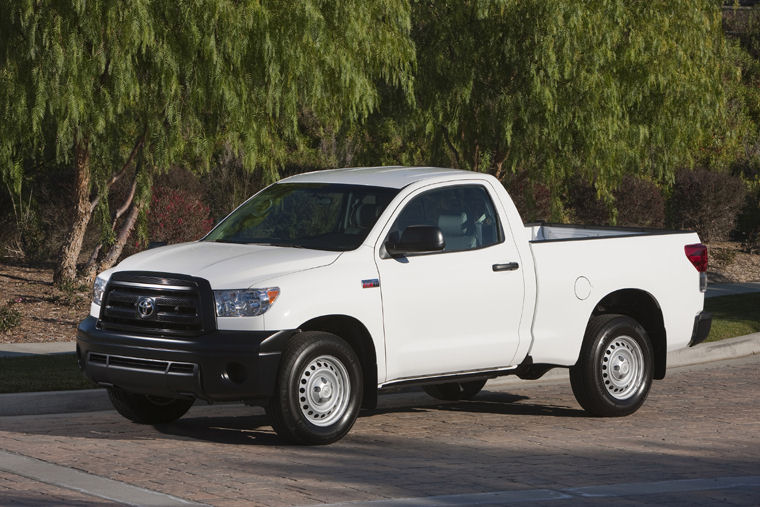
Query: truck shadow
[[256, 430]]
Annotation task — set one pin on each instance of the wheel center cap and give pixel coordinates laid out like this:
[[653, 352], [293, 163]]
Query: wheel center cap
[[622, 367], [323, 390]]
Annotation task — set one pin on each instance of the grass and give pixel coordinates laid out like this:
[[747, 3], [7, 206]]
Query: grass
[[734, 316], [53, 372]]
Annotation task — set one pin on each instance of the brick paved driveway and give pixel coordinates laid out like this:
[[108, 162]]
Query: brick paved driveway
[[699, 423]]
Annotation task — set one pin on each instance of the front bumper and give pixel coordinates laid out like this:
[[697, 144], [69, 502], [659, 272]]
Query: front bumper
[[218, 366], [702, 325]]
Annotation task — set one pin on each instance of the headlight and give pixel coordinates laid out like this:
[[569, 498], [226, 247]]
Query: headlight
[[97, 290], [244, 302]]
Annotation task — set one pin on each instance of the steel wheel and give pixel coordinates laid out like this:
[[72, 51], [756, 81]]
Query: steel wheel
[[622, 367], [325, 390], [614, 371], [319, 389]]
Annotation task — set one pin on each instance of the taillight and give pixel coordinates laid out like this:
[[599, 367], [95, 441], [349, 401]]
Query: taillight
[[697, 254]]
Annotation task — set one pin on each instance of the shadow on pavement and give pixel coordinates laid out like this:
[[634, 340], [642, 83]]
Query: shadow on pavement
[[235, 425]]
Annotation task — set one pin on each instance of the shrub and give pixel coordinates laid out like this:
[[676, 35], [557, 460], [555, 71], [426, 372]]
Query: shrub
[[707, 202], [639, 203], [585, 205], [9, 316], [748, 223], [533, 200], [176, 215]]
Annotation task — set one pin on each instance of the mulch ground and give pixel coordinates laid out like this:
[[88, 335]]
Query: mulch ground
[[49, 314]]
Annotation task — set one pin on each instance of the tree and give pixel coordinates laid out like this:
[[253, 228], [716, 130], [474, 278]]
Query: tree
[[597, 89], [125, 89]]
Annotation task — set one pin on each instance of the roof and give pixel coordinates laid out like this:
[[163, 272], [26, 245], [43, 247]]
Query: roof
[[387, 176]]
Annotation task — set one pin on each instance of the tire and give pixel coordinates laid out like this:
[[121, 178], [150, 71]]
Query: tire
[[319, 390], [146, 409], [454, 391], [614, 372]]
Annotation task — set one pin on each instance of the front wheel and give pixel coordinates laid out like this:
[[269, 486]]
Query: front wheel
[[146, 409], [319, 389], [614, 373]]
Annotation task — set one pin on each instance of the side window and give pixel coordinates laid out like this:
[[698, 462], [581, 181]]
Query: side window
[[465, 215]]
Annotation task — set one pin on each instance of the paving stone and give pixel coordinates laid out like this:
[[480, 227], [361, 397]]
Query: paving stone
[[700, 422]]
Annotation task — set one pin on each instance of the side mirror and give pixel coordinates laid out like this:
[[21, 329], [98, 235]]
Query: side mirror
[[416, 239]]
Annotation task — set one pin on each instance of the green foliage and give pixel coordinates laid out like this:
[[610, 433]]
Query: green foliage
[[592, 89], [748, 222], [707, 202], [179, 80], [9, 316], [188, 75], [638, 202], [71, 293]]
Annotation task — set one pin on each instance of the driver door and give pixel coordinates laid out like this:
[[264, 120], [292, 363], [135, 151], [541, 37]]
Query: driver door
[[454, 310]]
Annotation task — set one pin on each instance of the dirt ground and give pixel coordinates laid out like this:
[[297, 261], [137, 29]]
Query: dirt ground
[[729, 264], [49, 314]]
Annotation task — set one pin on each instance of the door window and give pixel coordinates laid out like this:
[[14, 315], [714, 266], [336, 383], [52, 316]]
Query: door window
[[465, 215]]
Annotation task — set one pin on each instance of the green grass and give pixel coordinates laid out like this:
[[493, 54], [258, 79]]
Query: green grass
[[734, 316], [54, 372]]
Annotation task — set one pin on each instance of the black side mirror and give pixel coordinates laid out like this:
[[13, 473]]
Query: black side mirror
[[416, 239]]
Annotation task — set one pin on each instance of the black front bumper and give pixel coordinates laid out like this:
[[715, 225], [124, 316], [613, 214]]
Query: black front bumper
[[702, 325], [218, 366]]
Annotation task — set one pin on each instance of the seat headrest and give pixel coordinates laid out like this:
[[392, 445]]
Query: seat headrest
[[452, 224]]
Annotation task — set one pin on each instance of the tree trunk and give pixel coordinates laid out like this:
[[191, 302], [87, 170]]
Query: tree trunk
[[92, 267], [66, 270], [121, 239]]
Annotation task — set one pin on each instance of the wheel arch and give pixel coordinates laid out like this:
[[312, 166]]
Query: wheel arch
[[358, 337], [643, 307]]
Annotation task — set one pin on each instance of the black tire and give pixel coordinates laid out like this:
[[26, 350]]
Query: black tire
[[454, 391], [145, 409], [319, 389], [614, 372]]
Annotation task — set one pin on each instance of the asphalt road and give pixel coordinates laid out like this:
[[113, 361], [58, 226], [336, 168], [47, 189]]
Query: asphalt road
[[695, 441]]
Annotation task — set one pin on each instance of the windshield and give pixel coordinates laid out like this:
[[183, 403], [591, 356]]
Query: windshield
[[306, 215]]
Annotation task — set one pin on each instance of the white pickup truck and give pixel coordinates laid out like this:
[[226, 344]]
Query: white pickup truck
[[328, 287]]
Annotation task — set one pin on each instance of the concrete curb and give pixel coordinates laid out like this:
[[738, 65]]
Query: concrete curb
[[91, 400], [35, 349], [731, 289]]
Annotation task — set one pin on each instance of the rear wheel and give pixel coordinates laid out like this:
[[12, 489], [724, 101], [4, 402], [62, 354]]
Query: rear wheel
[[453, 391], [147, 409], [614, 373], [319, 389]]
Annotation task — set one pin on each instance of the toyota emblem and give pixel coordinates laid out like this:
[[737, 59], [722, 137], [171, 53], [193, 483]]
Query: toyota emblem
[[145, 307]]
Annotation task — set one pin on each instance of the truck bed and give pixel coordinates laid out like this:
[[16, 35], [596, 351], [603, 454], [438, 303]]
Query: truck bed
[[542, 232], [574, 271]]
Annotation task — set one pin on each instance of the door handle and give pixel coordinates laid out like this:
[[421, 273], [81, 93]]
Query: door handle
[[509, 266]]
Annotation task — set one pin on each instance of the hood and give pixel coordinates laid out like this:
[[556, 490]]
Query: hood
[[227, 265]]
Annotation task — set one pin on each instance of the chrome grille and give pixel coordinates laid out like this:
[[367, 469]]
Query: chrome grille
[[155, 305]]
